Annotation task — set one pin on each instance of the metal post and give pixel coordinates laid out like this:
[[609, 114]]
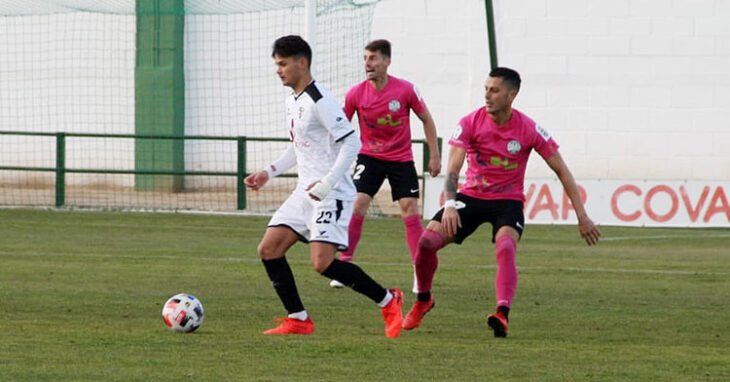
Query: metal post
[[490, 34], [60, 169], [310, 27], [241, 173], [159, 82]]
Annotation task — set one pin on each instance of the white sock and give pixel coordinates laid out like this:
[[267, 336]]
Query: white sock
[[415, 281], [386, 299], [301, 316]]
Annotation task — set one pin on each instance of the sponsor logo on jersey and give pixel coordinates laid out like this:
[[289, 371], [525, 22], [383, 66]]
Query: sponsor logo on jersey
[[388, 120], [368, 124], [297, 142], [543, 133], [481, 181], [497, 161], [394, 105], [513, 147], [478, 158], [301, 112], [375, 146]]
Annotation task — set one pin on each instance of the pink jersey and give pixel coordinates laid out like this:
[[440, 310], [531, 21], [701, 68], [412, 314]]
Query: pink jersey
[[384, 116], [497, 156]]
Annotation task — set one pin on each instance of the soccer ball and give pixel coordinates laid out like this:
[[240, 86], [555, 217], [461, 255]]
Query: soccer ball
[[183, 313]]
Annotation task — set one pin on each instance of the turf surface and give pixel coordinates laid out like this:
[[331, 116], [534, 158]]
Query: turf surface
[[82, 293]]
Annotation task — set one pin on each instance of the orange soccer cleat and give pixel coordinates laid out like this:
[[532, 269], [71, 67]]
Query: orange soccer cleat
[[417, 312], [498, 323], [393, 314], [292, 326]]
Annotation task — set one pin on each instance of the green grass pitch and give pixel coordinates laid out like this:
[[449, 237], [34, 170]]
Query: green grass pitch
[[81, 295]]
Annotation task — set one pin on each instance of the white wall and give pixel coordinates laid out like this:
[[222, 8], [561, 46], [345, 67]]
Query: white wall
[[634, 89], [440, 46], [631, 89], [73, 73]]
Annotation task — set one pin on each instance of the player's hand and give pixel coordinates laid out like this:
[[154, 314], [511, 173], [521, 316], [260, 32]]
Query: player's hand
[[319, 190], [256, 180], [450, 221], [434, 166], [588, 230]]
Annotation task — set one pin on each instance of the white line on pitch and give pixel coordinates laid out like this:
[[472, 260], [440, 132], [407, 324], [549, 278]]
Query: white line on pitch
[[660, 237], [302, 262]]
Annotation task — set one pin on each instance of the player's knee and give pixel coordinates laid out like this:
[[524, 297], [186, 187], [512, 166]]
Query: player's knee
[[505, 246], [361, 204], [319, 264], [409, 207], [267, 251], [361, 210], [427, 244]]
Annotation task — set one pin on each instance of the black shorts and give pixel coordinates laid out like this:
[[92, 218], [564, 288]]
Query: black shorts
[[473, 212], [370, 173]]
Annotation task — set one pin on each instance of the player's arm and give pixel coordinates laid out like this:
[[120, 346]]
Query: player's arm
[[429, 129], [450, 220], [286, 161], [349, 147], [350, 105], [588, 230], [332, 116]]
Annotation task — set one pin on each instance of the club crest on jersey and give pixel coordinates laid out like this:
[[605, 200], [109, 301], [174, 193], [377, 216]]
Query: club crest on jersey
[[513, 147], [394, 105]]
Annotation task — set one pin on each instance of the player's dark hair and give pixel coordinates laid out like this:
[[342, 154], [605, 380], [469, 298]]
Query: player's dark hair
[[292, 46], [508, 76], [382, 46]]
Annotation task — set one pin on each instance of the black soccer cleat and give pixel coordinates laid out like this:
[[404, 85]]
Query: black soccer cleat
[[498, 323]]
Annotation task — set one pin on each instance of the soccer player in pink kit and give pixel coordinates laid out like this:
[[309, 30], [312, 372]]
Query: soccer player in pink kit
[[496, 141], [383, 104]]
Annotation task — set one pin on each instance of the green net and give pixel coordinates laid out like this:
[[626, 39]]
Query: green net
[[103, 72]]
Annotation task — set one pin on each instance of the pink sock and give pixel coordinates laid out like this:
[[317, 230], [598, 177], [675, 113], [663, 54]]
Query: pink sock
[[427, 259], [505, 283], [414, 229], [354, 231]]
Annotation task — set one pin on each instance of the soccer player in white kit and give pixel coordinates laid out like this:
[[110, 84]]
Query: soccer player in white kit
[[318, 211]]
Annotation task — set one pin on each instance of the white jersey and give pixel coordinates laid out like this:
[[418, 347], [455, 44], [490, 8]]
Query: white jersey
[[316, 123]]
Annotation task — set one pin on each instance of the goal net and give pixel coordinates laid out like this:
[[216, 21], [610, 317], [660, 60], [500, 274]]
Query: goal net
[[101, 72]]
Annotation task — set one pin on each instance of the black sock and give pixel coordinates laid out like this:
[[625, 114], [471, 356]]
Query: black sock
[[282, 279], [423, 296], [504, 310], [352, 276]]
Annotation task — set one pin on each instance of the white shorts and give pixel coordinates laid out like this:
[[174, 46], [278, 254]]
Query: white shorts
[[324, 221]]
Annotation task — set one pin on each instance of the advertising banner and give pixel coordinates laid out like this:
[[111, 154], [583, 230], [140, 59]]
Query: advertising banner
[[618, 202]]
